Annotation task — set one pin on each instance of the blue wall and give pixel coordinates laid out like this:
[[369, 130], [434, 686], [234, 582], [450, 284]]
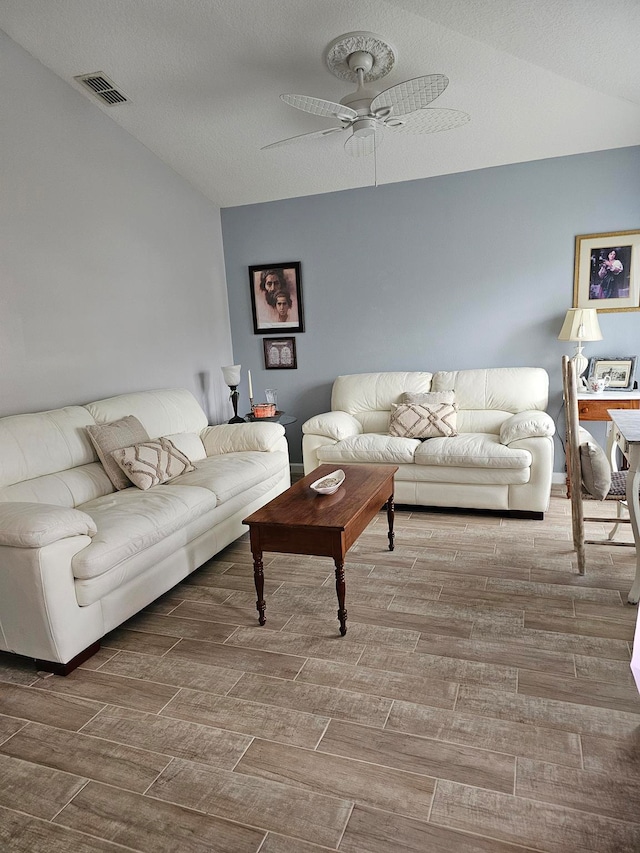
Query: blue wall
[[467, 270]]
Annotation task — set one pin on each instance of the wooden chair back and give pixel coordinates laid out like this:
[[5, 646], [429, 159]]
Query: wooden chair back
[[575, 489]]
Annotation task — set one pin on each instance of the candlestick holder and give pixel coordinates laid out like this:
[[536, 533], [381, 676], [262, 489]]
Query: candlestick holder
[[232, 378]]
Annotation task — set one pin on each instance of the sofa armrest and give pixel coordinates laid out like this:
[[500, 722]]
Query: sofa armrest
[[233, 438], [34, 525], [531, 424], [335, 425]]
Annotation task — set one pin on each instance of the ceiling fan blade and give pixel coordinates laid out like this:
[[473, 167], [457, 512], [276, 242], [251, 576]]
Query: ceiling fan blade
[[320, 107], [361, 146], [430, 121], [316, 133], [411, 95]]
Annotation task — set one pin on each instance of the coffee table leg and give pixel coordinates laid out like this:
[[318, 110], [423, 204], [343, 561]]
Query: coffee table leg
[[258, 577], [340, 590], [390, 516]]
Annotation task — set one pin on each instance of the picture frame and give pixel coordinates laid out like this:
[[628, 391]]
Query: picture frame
[[276, 298], [605, 281], [280, 353], [620, 370]]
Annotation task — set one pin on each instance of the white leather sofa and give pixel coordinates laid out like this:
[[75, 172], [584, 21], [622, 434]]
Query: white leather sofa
[[502, 458], [77, 557]]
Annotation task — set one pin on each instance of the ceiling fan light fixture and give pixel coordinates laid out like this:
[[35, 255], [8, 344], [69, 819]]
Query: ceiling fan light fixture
[[364, 127]]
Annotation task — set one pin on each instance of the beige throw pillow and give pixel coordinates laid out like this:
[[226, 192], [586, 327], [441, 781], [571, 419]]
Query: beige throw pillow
[[594, 466], [427, 398], [112, 436], [436, 420], [152, 462]]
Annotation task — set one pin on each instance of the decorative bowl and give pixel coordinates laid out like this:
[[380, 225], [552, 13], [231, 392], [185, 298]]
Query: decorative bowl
[[252, 417], [328, 484], [264, 410]]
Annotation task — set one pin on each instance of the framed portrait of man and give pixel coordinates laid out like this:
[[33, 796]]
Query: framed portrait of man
[[276, 298]]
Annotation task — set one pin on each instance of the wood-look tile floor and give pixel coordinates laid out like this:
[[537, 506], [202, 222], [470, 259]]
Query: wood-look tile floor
[[481, 702]]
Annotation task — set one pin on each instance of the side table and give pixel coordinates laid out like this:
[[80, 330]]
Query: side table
[[281, 418]]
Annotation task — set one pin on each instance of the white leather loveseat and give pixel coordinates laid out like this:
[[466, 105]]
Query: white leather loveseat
[[501, 458], [77, 556]]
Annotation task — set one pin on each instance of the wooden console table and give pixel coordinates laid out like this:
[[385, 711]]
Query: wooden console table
[[595, 407]]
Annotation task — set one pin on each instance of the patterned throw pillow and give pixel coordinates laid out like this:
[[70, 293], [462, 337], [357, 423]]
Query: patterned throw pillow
[[112, 436], [436, 420], [152, 462]]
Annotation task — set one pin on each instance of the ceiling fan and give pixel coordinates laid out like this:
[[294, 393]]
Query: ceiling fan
[[363, 58]]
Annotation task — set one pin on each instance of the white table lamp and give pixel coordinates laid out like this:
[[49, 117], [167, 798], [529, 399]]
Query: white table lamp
[[232, 378], [580, 324]]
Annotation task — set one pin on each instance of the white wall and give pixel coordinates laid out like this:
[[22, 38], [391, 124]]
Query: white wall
[[111, 265]]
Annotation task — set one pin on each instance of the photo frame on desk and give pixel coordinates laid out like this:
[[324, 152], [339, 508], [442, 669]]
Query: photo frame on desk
[[620, 370], [607, 271]]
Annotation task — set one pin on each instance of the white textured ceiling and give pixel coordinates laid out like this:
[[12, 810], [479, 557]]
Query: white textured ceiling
[[540, 78]]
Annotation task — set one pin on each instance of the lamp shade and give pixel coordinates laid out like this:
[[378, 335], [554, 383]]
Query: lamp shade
[[232, 374], [580, 324]]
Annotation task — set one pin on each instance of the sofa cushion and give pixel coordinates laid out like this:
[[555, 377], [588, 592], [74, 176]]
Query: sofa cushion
[[161, 412], [471, 450], [428, 420], [152, 462], [70, 488], [368, 396], [43, 443], [507, 389], [188, 443], [33, 525], [130, 520], [370, 447], [594, 466], [112, 436], [232, 473]]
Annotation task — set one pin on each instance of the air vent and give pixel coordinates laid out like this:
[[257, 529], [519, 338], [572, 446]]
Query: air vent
[[103, 88]]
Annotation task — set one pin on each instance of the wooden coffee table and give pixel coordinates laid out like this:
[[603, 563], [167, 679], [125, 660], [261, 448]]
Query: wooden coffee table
[[300, 521]]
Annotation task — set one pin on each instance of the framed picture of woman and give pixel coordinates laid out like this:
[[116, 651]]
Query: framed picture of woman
[[276, 298], [607, 271]]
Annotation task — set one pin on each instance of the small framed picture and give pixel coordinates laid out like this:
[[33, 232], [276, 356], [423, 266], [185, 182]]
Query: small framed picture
[[620, 372], [607, 271], [276, 298], [280, 354]]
